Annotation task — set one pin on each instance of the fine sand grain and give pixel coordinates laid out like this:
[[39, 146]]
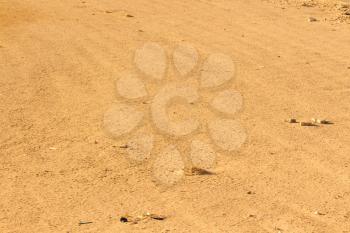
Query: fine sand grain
[[61, 164]]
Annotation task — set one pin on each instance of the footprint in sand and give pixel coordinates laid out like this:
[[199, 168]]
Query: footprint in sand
[[196, 110]]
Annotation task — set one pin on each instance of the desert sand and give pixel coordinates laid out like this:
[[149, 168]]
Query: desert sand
[[62, 171]]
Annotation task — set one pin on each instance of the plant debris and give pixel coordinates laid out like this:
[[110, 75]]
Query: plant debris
[[143, 217], [84, 222]]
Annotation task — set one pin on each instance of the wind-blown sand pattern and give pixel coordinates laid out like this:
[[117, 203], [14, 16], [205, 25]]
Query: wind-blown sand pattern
[[107, 105]]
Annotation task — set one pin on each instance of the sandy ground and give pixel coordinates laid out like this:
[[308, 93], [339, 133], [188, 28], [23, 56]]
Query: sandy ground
[[58, 63]]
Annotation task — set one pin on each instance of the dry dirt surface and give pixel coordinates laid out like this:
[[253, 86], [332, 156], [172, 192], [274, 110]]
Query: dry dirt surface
[[59, 61]]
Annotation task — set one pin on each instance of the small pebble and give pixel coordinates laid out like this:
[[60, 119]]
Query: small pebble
[[323, 121], [198, 171], [306, 124], [312, 19], [319, 121], [307, 4], [344, 5], [124, 219], [319, 213], [157, 217], [279, 230], [291, 120]]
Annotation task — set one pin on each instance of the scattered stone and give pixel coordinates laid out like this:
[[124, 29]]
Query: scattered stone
[[314, 120], [324, 122], [306, 124], [308, 4], [129, 16], [279, 230], [124, 146], [291, 120], [320, 121], [250, 193], [197, 171], [108, 12], [156, 216], [312, 19], [124, 219], [347, 12], [344, 5], [347, 215], [147, 102], [319, 213]]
